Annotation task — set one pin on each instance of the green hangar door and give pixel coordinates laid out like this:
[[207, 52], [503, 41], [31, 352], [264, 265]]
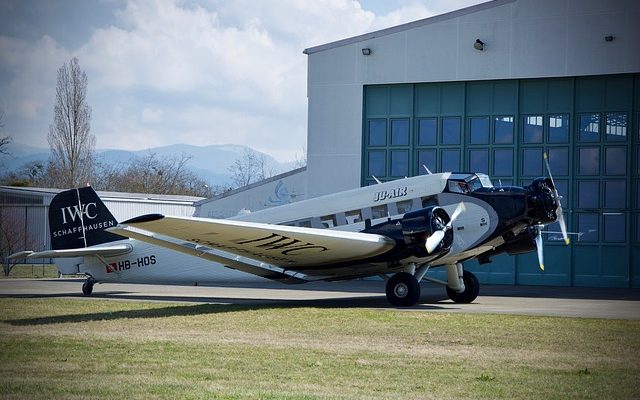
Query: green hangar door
[[588, 126]]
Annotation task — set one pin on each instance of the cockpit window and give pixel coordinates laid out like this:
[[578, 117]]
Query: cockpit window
[[458, 187], [485, 180], [473, 184]]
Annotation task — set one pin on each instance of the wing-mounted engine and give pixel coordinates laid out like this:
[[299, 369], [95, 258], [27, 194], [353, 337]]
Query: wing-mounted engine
[[428, 223], [421, 233]]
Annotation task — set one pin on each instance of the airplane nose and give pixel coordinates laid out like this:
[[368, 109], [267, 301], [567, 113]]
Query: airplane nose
[[542, 201]]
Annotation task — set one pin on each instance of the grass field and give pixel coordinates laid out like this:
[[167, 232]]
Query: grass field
[[32, 271], [78, 348]]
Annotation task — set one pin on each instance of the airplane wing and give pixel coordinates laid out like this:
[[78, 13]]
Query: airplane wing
[[105, 251], [286, 247]]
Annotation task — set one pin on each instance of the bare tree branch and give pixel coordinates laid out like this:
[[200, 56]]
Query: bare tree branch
[[13, 237], [70, 135], [154, 174], [250, 168], [4, 141]]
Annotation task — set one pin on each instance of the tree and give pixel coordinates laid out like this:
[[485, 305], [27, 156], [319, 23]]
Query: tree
[[250, 168], [70, 135], [153, 174], [4, 141], [301, 159], [13, 237]]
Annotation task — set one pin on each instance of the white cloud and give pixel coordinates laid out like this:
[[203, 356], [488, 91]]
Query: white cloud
[[30, 78], [218, 71]]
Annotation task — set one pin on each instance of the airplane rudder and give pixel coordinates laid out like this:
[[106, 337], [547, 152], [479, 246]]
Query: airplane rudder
[[78, 218]]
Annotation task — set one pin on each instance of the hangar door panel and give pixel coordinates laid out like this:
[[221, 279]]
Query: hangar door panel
[[588, 127]]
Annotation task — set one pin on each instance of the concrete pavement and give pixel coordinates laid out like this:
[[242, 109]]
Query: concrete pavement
[[497, 299]]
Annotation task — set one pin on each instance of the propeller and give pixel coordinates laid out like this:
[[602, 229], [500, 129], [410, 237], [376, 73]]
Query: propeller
[[436, 237], [559, 214], [539, 246]]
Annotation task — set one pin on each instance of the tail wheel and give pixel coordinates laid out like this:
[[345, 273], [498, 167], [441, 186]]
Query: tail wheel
[[471, 289], [403, 290]]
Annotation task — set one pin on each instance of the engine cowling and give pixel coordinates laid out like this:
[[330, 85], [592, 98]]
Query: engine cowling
[[412, 230], [542, 201], [418, 225]]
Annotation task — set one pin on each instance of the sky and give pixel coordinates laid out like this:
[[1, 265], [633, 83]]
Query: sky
[[178, 71]]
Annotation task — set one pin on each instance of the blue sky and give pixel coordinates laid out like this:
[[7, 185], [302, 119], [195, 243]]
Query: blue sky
[[197, 72]]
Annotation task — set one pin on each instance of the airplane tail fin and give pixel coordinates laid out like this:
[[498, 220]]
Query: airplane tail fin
[[78, 218]]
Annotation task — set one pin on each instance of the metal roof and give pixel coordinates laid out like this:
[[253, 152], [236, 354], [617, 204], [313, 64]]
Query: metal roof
[[407, 26]]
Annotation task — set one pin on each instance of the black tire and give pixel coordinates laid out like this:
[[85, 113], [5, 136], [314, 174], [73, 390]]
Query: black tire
[[403, 290], [471, 289], [87, 288]]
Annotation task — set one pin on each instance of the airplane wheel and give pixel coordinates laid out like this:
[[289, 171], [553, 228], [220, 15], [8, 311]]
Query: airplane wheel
[[471, 289], [87, 288], [403, 290]]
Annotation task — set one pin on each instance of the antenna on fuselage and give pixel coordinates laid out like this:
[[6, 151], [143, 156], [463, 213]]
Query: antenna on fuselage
[[376, 179], [427, 169]]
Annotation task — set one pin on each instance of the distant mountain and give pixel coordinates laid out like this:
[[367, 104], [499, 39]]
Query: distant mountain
[[211, 163]]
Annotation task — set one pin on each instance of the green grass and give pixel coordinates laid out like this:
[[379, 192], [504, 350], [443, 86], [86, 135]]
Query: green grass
[[78, 348], [32, 271]]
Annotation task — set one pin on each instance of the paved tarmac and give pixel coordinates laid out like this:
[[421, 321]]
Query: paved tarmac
[[495, 299]]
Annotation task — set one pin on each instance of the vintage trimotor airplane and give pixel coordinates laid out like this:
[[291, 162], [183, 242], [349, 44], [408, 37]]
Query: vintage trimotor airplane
[[398, 230]]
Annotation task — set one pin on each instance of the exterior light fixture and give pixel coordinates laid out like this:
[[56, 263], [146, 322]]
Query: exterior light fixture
[[366, 51], [609, 38], [478, 45]]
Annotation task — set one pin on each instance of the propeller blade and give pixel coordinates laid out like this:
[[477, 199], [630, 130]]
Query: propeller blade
[[559, 212], [434, 240], [546, 162], [539, 248], [461, 207], [563, 225]]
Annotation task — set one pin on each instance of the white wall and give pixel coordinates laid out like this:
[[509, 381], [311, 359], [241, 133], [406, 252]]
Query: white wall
[[523, 38]]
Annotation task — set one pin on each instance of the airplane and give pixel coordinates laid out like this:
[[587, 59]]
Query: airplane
[[398, 230]]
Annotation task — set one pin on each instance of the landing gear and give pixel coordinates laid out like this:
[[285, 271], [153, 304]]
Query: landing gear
[[470, 292], [87, 286], [403, 290]]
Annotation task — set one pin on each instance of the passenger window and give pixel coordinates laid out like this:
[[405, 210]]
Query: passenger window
[[353, 217], [404, 206], [328, 221], [379, 211], [429, 201]]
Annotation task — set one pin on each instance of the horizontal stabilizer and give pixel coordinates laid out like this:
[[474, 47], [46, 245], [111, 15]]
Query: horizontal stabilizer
[[105, 251]]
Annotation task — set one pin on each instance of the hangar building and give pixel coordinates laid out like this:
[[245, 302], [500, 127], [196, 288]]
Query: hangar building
[[489, 88]]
